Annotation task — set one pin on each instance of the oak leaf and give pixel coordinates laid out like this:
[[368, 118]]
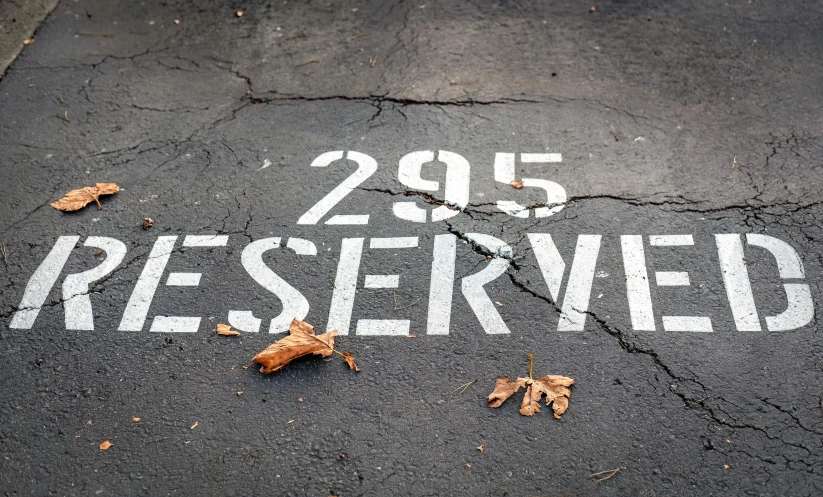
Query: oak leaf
[[554, 387], [301, 342], [77, 199], [224, 329]]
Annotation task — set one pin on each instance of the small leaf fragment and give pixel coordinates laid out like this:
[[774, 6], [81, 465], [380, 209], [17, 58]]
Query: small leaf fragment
[[300, 342], [77, 199], [239, 394], [135, 420], [105, 445], [224, 329], [350, 361], [517, 184], [194, 425], [480, 448], [503, 389]]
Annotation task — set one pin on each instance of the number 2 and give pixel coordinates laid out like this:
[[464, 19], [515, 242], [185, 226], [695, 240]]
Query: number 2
[[366, 166]]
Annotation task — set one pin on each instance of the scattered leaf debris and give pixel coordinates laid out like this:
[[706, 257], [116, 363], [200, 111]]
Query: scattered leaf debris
[[725, 466], [194, 425], [135, 420], [609, 473], [301, 342], [350, 361], [147, 223], [480, 448], [291, 421], [462, 388], [77, 199], [105, 445], [239, 394], [27, 43], [553, 386], [468, 465], [225, 330], [517, 184]]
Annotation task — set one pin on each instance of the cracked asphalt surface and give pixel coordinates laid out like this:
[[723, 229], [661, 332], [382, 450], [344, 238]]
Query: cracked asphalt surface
[[686, 117]]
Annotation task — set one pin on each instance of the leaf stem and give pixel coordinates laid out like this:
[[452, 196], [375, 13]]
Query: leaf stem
[[327, 345], [531, 363]]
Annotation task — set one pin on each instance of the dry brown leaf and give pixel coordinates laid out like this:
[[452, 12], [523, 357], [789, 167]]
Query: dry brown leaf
[[27, 43], [350, 361], [77, 199], [239, 394], [480, 448], [105, 445], [135, 420], [224, 329], [301, 342], [517, 184], [554, 387], [147, 223]]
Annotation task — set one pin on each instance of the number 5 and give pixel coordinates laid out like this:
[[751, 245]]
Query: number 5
[[504, 173]]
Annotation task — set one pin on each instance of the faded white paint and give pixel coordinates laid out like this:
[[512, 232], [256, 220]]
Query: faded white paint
[[441, 285], [138, 306], [456, 191], [472, 286], [41, 283], [366, 166], [76, 301], [345, 285]]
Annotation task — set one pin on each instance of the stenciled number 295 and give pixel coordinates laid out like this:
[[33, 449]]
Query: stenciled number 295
[[455, 191]]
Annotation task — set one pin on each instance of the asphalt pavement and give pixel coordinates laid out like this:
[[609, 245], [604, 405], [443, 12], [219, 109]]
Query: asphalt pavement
[[627, 190]]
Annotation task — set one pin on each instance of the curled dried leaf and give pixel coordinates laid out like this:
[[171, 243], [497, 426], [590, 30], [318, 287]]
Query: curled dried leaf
[[105, 445], [135, 420], [77, 199], [301, 342], [554, 387], [350, 361], [225, 330]]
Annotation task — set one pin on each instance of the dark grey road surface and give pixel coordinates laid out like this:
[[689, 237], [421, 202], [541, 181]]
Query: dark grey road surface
[[672, 118]]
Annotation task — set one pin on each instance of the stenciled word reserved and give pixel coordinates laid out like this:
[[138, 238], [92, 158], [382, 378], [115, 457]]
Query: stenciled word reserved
[[574, 308]]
